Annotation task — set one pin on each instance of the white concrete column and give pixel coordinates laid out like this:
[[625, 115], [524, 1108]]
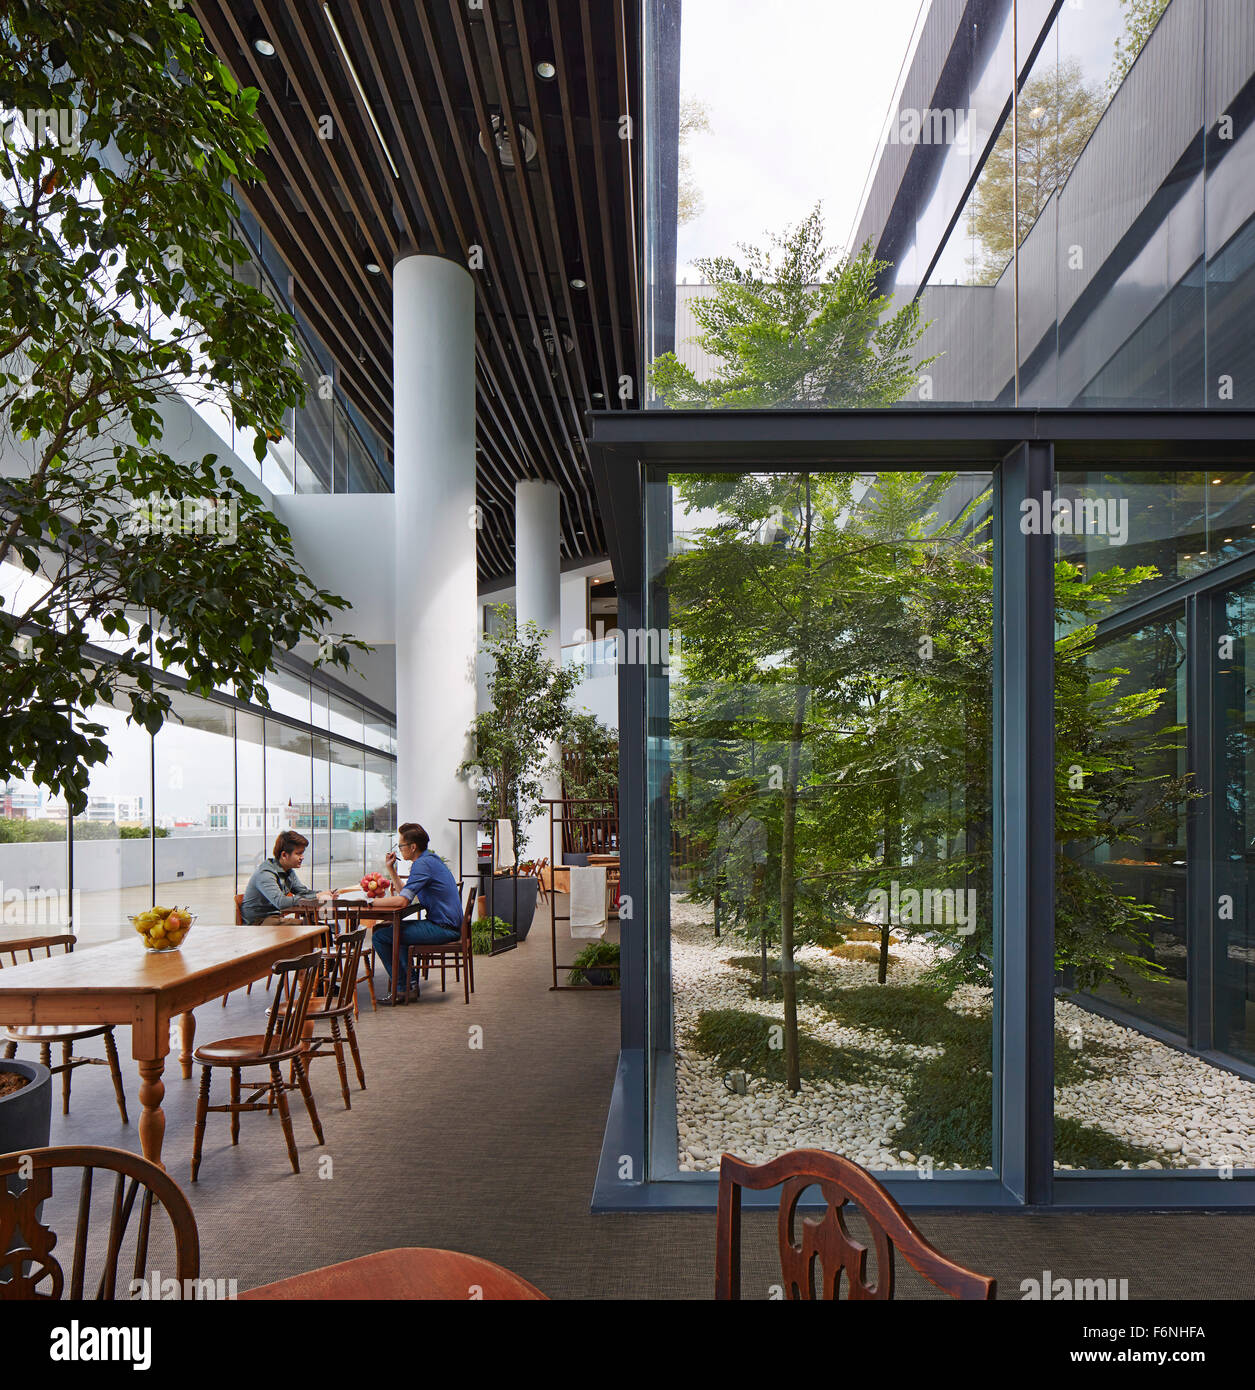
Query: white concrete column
[[538, 596], [433, 372]]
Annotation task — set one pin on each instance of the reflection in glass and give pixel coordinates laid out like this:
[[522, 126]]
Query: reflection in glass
[[1234, 798]]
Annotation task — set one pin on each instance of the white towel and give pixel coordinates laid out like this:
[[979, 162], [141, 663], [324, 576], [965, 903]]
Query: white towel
[[503, 842], [588, 903]]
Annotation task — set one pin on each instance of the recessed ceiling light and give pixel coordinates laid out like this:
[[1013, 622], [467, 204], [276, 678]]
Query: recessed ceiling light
[[374, 268], [260, 40], [503, 144], [578, 284], [1228, 540], [546, 70], [597, 396]]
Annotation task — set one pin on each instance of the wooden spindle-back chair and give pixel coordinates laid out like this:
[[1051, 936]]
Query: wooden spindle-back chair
[[29, 1268], [18, 950], [283, 1041], [827, 1241]]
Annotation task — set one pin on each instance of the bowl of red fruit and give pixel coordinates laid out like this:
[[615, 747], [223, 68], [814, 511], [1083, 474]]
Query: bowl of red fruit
[[375, 885]]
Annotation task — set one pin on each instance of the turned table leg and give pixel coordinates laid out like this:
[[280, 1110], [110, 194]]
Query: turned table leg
[[187, 1040], [152, 1120]]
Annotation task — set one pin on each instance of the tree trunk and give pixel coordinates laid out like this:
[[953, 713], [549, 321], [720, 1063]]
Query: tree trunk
[[788, 835], [788, 856], [893, 859]]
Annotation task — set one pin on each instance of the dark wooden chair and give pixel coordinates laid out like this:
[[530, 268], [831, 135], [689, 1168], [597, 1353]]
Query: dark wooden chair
[[333, 1004], [67, 1034], [827, 1240], [456, 955], [26, 1242], [282, 1041]]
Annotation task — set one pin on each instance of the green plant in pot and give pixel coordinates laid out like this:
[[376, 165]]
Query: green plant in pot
[[483, 931], [596, 964], [530, 697]]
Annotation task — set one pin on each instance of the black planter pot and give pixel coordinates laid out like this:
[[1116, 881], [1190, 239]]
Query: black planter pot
[[26, 1115], [597, 976], [514, 901]]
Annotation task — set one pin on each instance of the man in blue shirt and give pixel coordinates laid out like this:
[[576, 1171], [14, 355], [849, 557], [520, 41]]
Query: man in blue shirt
[[433, 885]]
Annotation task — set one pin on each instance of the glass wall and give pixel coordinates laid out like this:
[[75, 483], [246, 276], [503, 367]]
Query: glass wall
[[184, 818], [1058, 210], [111, 840], [820, 801], [195, 808], [1152, 931]]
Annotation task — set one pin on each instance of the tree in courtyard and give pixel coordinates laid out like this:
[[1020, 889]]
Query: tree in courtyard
[[1057, 112], [117, 298], [847, 712], [796, 324]]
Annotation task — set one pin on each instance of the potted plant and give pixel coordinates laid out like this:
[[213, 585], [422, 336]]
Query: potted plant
[[25, 1106], [530, 697], [486, 930], [596, 964]]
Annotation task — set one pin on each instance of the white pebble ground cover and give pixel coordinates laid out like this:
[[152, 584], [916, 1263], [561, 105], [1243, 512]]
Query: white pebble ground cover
[[1146, 1093]]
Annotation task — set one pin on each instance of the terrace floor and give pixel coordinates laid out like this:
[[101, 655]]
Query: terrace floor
[[493, 1152]]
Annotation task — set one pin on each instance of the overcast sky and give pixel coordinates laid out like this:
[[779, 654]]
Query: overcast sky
[[797, 95]]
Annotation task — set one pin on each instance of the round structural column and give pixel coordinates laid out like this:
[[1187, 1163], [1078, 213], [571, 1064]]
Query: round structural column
[[538, 597], [433, 372]]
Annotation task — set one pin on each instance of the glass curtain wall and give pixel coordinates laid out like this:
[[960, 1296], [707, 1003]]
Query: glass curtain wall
[[821, 819], [1058, 210], [185, 818], [1152, 925]]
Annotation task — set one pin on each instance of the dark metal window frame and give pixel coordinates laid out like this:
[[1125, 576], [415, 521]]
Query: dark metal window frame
[[1023, 449]]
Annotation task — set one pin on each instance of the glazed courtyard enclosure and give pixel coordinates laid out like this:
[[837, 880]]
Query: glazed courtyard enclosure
[[943, 792]]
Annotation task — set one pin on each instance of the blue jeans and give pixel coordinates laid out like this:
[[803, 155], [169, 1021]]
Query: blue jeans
[[413, 933]]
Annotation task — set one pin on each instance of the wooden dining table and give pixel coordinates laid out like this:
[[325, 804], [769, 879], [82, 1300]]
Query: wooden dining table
[[410, 1272], [352, 901], [122, 983]]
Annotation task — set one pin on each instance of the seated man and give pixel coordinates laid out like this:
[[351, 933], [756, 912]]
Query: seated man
[[433, 885], [274, 887]]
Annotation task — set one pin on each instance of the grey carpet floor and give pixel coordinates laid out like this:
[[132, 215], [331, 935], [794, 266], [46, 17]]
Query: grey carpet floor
[[492, 1149]]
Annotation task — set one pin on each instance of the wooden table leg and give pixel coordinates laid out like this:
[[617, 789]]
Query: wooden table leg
[[397, 992], [152, 1120], [187, 1041]]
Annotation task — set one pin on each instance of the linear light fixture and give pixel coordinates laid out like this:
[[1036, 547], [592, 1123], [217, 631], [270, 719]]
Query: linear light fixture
[[361, 91]]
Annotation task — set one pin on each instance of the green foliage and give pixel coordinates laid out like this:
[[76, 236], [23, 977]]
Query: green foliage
[[1057, 112], [1140, 17], [15, 829], [801, 327], [117, 289], [590, 769], [1086, 1146], [740, 1039], [867, 603], [597, 955], [483, 930], [530, 697]]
